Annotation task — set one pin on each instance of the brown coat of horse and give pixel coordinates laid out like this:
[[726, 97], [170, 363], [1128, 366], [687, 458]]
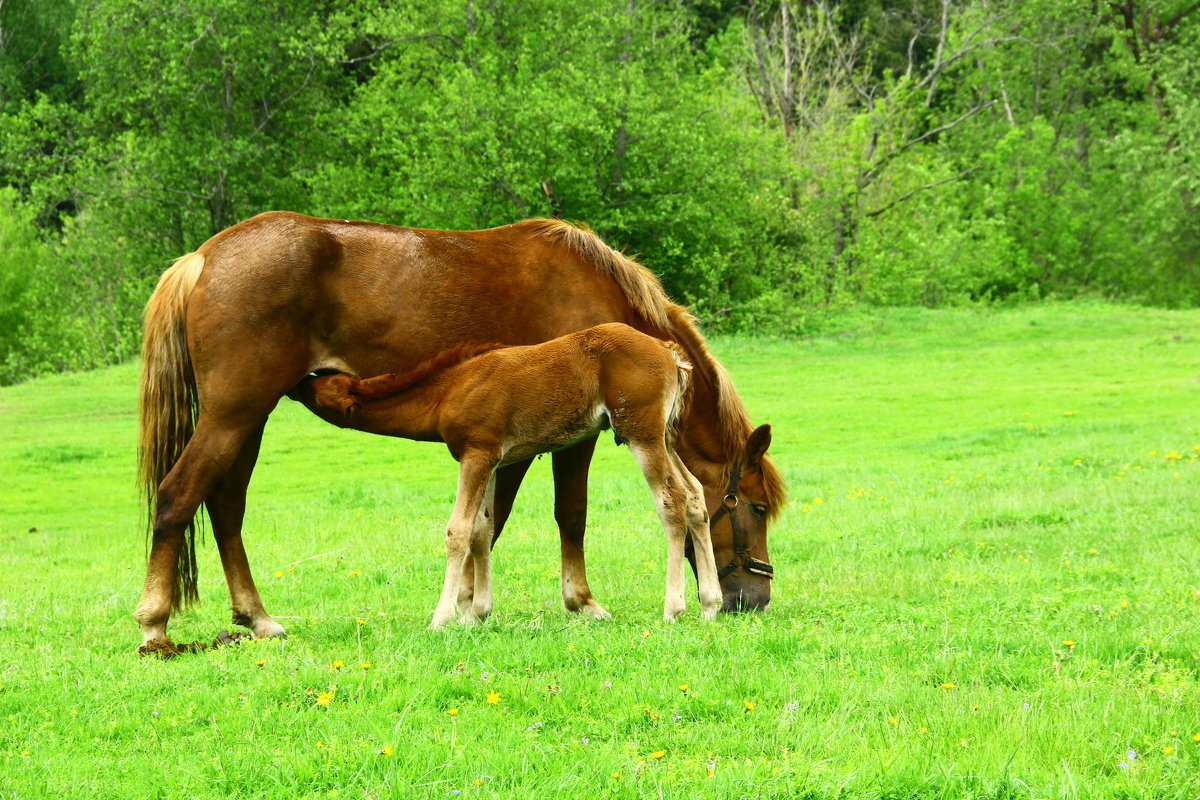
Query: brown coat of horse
[[495, 407], [236, 324]]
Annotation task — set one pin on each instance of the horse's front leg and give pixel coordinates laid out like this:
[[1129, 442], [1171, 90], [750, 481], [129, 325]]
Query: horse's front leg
[[474, 475], [570, 512], [508, 481]]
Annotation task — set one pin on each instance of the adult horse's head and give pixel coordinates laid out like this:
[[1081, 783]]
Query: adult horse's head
[[738, 517]]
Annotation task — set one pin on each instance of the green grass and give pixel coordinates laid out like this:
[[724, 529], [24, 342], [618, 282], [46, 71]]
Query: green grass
[[970, 491]]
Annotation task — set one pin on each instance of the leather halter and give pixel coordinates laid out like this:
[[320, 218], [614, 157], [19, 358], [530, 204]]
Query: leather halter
[[741, 555]]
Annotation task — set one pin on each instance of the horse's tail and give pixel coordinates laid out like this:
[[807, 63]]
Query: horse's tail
[[682, 398], [168, 402]]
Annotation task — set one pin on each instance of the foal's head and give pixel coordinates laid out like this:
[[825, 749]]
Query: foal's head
[[330, 396]]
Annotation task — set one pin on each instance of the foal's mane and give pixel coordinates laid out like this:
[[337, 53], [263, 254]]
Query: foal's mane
[[646, 296], [382, 386]]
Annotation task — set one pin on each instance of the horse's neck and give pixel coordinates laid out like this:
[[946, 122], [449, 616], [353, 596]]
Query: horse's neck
[[700, 445]]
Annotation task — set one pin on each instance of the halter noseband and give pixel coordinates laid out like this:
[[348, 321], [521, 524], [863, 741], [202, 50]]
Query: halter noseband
[[741, 555]]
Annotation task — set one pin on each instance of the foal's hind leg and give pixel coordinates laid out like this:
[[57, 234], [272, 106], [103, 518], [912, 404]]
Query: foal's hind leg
[[226, 505], [208, 455], [570, 512], [670, 498], [697, 522]]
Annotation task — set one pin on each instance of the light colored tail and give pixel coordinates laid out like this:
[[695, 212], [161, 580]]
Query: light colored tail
[[168, 401], [681, 402]]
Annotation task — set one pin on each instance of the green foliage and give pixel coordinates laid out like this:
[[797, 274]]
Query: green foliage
[[773, 161]]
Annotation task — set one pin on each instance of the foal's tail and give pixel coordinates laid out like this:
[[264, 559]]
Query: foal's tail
[[168, 401], [681, 402]]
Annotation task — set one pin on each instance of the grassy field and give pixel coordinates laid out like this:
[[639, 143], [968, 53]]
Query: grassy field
[[988, 585]]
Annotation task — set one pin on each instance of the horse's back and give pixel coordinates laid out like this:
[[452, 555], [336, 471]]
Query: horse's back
[[367, 298]]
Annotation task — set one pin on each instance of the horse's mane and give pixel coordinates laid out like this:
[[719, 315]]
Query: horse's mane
[[382, 386], [639, 285], [733, 421], [645, 294]]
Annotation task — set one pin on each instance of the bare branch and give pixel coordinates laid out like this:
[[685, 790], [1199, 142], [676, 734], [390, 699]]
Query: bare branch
[[875, 171], [919, 189]]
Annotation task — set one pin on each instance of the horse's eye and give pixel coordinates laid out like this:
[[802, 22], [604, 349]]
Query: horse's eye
[[758, 508]]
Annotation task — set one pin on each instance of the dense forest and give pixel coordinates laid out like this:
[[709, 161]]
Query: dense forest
[[770, 159]]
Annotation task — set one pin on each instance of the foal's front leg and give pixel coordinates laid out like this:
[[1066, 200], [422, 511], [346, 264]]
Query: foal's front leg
[[475, 606], [474, 476]]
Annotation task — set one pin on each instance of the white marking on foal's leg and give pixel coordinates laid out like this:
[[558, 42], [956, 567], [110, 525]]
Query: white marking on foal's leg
[[697, 520], [670, 499], [473, 476]]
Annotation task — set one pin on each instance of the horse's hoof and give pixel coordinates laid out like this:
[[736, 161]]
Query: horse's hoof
[[269, 629]]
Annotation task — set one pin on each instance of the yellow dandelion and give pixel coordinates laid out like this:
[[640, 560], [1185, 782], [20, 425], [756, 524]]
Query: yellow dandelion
[[1068, 643], [817, 501], [365, 665], [493, 697], [478, 781], [1196, 737], [748, 705], [355, 573], [1124, 604], [947, 686], [387, 750], [645, 632], [617, 774], [361, 621], [260, 662], [893, 721], [570, 647], [1168, 750], [922, 729], [1093, 551], [318, 744], [683, 687], [452, 712], [278, 573], [658, 754], [338, 663], [324, 698]]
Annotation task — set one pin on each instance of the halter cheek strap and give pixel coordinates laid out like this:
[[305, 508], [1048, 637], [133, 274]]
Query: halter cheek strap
[[741, 555]]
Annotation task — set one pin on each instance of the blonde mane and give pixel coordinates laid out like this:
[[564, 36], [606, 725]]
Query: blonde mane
[[639, 285], [647, 297]]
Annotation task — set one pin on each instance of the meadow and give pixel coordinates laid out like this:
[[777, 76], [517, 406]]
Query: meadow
[[988, 586]]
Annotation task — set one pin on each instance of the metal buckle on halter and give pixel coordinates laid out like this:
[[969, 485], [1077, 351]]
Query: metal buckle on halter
[[741, 555]]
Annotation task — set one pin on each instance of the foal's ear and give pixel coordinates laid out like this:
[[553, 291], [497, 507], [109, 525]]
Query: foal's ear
[[757, 444]]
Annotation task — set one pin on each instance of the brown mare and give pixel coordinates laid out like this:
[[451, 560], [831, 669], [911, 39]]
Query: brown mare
[[495, 407], [236, 324]]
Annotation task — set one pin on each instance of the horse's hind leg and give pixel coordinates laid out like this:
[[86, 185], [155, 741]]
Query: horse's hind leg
[[697, 522], [226, 505], [570, 512], [208, 455]]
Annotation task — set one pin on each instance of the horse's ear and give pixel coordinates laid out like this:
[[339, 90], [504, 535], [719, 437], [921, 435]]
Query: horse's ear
[[757, 444]]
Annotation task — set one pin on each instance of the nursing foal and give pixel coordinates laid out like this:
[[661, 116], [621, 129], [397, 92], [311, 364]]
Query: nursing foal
[[495, 405]]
